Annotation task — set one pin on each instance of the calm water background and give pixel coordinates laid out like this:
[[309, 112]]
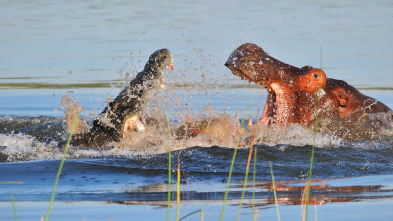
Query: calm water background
[[50, 44], [50, 47]]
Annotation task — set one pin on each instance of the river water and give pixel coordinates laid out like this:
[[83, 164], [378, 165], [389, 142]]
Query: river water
[[91, 49]]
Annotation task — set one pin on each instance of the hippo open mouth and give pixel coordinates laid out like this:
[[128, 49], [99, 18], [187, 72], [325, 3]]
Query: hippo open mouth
[[279, 99], [270, 106], [285, 84], [294, 94]]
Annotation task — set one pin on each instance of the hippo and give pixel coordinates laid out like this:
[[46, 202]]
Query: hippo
[[122, 114], [294, 94]]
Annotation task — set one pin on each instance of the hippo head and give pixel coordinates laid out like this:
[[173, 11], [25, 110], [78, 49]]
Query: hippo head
[[294, 93], [252, 63], [285, 83]]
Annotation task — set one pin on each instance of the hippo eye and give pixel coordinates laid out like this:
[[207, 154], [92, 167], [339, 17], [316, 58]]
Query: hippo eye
[[316, 76]]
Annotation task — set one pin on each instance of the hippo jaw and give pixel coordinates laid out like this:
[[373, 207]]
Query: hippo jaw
[[279, 98], [245, 75], [251, 63], [286, 84]]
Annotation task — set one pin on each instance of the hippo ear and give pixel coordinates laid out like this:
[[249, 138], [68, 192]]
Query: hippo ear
[[306, 68], [341, 96]]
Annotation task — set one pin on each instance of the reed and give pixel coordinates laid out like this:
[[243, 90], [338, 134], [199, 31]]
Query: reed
[[169, 165], [178, 188], [230, 175], [62, 162], [254, 212], [11, 182], [14, 208], [304, 199], [247, 169], [233, 160], [307, 189], [245, 181], [274, 191]]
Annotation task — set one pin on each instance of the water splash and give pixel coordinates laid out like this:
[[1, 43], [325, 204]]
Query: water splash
[[71, 106], [193, 124], [37, 138]]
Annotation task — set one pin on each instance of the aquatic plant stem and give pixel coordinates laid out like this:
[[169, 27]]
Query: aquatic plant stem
[[233, 160], [312, 156], [14, 208], [245, 182], [247, 169], [11, 182], [62, 162], [253, 185], [230, 175], [246, 176], [308, 184], [274, 191], [178, 188], [169, 165]]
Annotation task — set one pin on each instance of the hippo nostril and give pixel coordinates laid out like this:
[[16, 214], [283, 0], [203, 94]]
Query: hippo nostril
[[316, 75]]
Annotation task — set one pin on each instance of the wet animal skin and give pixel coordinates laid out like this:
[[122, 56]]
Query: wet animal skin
[[293, 92], [122, 113]]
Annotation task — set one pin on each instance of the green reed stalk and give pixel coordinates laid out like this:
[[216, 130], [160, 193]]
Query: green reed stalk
[[230, 174], [169, 165], [315, 212], [233, 161], [315, 134], [246, 176], [14, 208], [11, 182], [312, 156], [274, 191], [178, 188], [62, 163], [254, 172], [253, 184], [313, 147], [245, 182]]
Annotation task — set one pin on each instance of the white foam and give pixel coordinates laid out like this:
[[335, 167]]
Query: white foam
[[19, 147], [154, 139], [295, 135]]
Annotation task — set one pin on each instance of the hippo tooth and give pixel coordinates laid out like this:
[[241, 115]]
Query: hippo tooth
[[249, 123]]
